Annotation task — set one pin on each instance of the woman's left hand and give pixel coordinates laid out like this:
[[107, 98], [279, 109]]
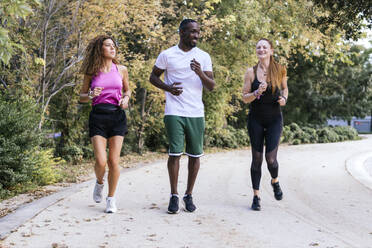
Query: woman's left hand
[[282, 101], [124, 102]]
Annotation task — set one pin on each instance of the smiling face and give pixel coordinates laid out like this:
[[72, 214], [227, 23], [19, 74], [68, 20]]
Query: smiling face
[[263, 49], [190, 35], [108, 49]]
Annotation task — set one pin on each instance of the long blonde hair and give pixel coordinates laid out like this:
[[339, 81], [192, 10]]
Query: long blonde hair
[[93, 59], [276, 71]]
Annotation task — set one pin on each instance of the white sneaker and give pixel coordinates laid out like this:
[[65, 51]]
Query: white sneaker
[[97, 193], [110, 205]]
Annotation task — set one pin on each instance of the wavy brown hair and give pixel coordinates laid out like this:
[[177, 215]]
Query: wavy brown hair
[[93, 59], [276, 71]]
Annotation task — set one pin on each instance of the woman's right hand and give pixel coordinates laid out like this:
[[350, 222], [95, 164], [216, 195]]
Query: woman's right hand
[[262, 87], [96, 92]]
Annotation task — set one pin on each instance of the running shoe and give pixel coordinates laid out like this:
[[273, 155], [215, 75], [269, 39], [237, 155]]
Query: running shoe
[[110, 205], [189, 205], [278, 194], [173, 205], [256, 203], [97, 193]]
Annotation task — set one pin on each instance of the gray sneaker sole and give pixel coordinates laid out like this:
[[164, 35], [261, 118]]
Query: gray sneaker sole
[[170, 212]]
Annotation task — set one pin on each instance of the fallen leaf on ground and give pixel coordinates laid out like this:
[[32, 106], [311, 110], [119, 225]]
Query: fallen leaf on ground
[[26, 235], [198, 221], [56, 245], [154, 207]]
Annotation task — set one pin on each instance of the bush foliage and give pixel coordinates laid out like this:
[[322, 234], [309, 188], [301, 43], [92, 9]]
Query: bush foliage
[[23, 161], [295, 135]]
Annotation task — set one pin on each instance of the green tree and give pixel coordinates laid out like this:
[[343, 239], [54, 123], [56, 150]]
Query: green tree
[[354, 84], [320, 90], [347, 16], [12, 13]]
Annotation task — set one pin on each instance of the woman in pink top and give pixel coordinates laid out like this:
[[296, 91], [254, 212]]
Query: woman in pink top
[[104, 82]]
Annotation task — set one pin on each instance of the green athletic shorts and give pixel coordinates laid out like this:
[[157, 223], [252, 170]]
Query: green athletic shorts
[[180, 129]]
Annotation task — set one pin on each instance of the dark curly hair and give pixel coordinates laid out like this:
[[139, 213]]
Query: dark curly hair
[[93, 59]]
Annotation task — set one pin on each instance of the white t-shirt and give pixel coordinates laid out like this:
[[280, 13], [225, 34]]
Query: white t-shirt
[[176, 64]]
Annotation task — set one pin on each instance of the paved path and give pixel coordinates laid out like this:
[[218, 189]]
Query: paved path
[[368, 165], [323, 206]]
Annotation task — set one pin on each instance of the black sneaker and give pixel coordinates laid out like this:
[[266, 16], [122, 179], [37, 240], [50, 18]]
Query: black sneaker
[[256, 203], [173, 205], [277, 191], [189, 205]]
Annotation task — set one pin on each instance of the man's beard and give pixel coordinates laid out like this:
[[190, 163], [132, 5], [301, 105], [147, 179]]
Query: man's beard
[[191, 44]]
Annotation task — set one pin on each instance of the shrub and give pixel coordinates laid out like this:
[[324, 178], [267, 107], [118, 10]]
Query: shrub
[[295, 135], [294, 127], [87, 151], [227, 137], [18, 139], [296, 142], [300, 135], [312, 135], [346, 133], [46, 169], [326, 135], [72, 153], [242, 137], [287, 135]]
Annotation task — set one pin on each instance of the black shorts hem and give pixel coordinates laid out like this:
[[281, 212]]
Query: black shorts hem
[[98, 134], [107, 136], [108, 124]]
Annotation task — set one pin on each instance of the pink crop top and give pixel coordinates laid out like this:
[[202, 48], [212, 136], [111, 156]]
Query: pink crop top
[[112, 86]]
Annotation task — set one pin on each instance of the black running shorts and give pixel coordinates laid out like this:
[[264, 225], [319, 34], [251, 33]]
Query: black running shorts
[[107, 120]]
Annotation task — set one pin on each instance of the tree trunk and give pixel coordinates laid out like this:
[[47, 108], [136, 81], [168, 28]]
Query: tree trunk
[[141, 139]]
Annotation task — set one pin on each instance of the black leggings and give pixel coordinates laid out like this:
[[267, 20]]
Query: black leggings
[[269, 130]]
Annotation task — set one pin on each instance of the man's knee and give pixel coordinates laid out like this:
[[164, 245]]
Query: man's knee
[[174, 159], [194, 161]]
